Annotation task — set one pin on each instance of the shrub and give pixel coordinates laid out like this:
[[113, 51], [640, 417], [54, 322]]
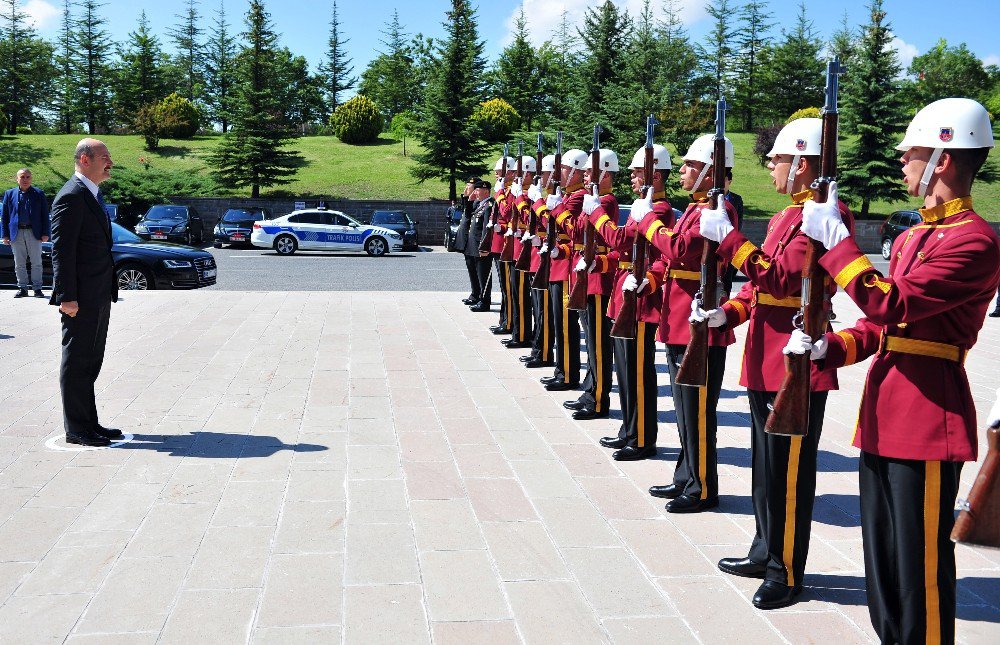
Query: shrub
[[179, 118], [23, 129], [496, 119], [804, 113], [3, 123], [139, 189], [765, 141], [357, 121], [147, 123]]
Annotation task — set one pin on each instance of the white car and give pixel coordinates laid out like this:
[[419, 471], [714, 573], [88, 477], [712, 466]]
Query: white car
[[323, 230]]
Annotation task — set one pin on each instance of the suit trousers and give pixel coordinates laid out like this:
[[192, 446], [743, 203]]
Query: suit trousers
[[697, 424], [907, 514], [472, 266], [566, 324], [83, 339], [542, 338], [783, 489], [27, 248], [597, 335], [485, 270], [518, 295], [503, 279], [635, 367]]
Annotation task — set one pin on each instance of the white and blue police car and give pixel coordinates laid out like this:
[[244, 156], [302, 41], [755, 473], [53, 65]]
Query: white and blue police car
[[323, 230]]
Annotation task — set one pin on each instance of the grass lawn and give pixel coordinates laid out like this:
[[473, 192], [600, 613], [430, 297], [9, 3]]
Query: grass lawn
[[374, 171]]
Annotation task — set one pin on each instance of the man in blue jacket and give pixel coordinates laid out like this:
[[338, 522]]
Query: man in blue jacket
[[25, 217]]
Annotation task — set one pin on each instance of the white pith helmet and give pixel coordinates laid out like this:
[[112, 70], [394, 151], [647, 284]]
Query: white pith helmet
[[548, 163], [607, 160], [511, 164], [661, 158], [575, 158], [703, 147], [799, 138], [527, 164]]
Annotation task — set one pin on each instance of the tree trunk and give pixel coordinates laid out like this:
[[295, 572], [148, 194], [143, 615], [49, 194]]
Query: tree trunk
[[255, 191], [864, 208]]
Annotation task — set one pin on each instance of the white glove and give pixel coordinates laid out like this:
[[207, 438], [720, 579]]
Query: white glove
[[526, 237], [715, 224], [822, 222], [641, 207], [630, 284], [516, 190], [497, 187], [582, 266], [555, 252], [715, 317], [993, 418], [554, 200], [591, 202], [799, 343], [497, 228], [534, 193], [509, 233], [537, 242], [544, 248]]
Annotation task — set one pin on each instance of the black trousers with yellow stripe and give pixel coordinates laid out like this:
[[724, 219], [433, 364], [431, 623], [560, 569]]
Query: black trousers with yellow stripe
[[597, 335], [566, 324], [519, 298], [503, 279], [783, 489], [697, 469], [635, 367], [543, 337], [907, 514]]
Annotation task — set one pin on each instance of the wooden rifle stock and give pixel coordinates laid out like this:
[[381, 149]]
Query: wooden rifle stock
[[578, 294], [524, 259], [979, 521], [541, 279]]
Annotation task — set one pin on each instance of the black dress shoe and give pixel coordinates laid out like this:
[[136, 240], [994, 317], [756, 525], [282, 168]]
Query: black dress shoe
[[545, 380], [92, 439], [559, 386], [538, 363], [479, 307], [670, 491], [526, 358], [613, 442], [691, 504], [586, 415], [995, 313], [39, 294], [631, 453], [21, 293], [575, 404], [744, 567], [108, 433], [469, 300], [510, 343], [772, 595], [498, 330]]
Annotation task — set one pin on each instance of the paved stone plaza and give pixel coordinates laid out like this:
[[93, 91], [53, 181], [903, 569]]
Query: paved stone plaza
[[347, 467]]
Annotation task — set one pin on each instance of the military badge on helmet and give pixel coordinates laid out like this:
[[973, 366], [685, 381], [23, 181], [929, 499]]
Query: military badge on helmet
[[800, 144], [947, 134]]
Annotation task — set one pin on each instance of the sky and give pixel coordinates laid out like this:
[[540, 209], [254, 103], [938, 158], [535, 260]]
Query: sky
[[304, 24]]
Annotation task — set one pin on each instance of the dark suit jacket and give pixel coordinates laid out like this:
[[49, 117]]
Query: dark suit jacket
[[38, 213], [462, 235], [478, 220], [82, 264]]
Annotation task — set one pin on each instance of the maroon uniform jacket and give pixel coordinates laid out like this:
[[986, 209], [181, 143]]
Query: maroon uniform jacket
[[575, 224], [921, 320], [572, 203], [503, 206]]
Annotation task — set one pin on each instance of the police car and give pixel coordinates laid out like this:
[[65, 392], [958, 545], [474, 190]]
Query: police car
[[323, 230]]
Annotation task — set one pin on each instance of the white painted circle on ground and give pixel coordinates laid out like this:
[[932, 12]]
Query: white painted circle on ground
[[58, 442]]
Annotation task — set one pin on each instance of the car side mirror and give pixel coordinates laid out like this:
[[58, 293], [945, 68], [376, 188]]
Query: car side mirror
[[353, 225]]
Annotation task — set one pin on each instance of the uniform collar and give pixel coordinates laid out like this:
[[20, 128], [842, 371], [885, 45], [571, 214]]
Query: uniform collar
[[945, 210], [800, 198], [658, 197], [573, 188], [604, 192], [700, 197]]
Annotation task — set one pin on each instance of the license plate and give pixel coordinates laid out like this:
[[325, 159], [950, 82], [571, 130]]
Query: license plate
[[158, 236], [209, 273], [238, 236]]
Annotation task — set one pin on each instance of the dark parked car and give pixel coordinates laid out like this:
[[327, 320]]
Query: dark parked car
[[896, 224], [453, 216], [237, 224], [169, 223], [138, 264], [401, 223]]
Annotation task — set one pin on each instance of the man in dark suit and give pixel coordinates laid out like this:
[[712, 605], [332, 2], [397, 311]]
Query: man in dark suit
[[468, 204], [24, 214], [478, 222], [83, 288]]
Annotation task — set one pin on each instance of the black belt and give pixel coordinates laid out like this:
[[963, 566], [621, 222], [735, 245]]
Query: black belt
[[20, 226]]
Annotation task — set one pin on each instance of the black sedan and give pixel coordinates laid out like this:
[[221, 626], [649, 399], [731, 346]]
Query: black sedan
[[453, 217], [138, 264], [170, 223], [892, 227], [400, 222], [236, 225]]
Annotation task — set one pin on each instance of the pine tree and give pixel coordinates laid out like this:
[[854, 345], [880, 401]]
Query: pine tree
[[64, 101], [452, 145], [717, 54], [189, 59], [336, 71], [795, 75], [843, 43], [26, 70], [517, 77], [751, 49], [93, 74], [389, 79], [220, 55], [604, 33], [140, 79], [556, 75], [873, 111], [253, 153]]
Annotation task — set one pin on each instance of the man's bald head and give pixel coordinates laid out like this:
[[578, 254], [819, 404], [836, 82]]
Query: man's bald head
[[93, 160]]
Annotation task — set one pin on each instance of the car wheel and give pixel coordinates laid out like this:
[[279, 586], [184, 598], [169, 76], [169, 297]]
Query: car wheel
[[376, 246], [132, 277], [886, 248], [285, 245]]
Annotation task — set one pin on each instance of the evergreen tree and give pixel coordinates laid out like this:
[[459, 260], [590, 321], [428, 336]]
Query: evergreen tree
[[604, 34], [516, 74], [751, 49], [253, 153], [843, 43], [874, 113], [26, 70], [389, 79], [220, 55], [453, 147], [946, 71], [299, 93], [336, 72], [140, 80], [556, 75], [796, 75], [717, 53], [64, 101], [93, 74], [189, 59], [678, 61]]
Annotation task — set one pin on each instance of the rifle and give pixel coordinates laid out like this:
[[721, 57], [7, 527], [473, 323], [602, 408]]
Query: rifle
[[541, 281], [694, 366], [979, 521], [790, 411], [507, 254], [626, 324], [524, 260], [486, 245], [578, 295]]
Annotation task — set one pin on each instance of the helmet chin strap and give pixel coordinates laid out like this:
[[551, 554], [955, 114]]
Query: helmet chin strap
[[791, 173], [929, 171], [701, 177]]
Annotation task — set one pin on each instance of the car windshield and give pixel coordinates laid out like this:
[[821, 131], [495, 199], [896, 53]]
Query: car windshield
[[391, 218], [121, 235], [243, 215], [167, 213], [456, 215]]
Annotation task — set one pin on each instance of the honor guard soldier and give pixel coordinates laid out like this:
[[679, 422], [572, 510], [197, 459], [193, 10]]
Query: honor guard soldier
[[543, 340], [784, 467], [567, 322], [917, 424], [595, 400], [500, 217], [635, 358], [519, 287], [696, 475]]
